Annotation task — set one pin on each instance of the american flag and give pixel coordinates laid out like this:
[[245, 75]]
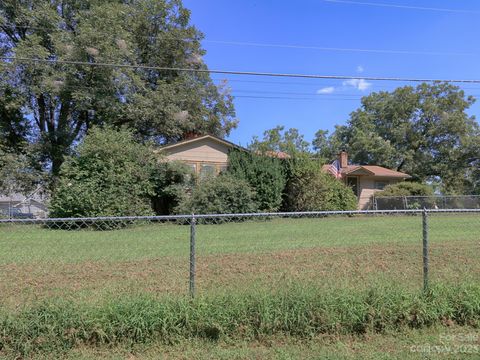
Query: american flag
[[334, 168]]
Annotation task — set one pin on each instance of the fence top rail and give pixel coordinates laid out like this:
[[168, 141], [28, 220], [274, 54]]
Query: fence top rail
[[233, 215], [426, 196]]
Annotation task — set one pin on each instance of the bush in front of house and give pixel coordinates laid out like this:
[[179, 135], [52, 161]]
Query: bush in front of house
[[172, 181], [406, 188], [108, 176], [265, 174], [223, 194], [393, 196], [311, 189]]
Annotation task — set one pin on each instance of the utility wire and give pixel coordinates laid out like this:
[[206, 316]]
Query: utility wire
[[337, 49], [234, 92], [230, 72], [321, 83], [289, 46], [292, 98], [397, 6]]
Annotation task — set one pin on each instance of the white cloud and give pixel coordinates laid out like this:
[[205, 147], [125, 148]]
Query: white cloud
[[359, 84], [326, 90], [360, 69]]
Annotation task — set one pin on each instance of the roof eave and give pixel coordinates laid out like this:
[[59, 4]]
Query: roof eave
[[217, 139]]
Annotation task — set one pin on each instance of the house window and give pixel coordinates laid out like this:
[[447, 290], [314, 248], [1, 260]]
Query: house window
[[222, 168], [380, 185], [193, 167], [207, 170], [352, 182]]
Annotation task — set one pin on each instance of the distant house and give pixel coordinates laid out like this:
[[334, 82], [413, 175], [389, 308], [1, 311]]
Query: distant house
[[16, 205], [206, 154], [364, 180]]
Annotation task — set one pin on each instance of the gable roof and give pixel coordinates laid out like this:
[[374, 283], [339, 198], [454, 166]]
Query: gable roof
[[203, 137], [370, 170], [381, 171], [276, 154]]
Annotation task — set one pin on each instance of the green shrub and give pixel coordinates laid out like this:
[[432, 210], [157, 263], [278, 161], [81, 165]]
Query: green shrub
[[310, 189], [108, 176], [223, 194], [406, 188], [265, 175], [171, 181]]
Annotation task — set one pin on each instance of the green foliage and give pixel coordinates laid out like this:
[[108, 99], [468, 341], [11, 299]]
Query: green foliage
[[424, 131], [14, 127], [297, 312], [18, 173], [60, 102], [321, 146], [171, 181], [265, 174], [280, 140], [223, 194], [109, 176], [310, 189], [406, 188]]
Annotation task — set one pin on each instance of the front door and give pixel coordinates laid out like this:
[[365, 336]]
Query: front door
[[352, 182]]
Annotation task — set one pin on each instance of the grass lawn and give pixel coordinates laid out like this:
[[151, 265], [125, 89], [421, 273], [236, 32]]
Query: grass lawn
[[337, 251], [359, 252]]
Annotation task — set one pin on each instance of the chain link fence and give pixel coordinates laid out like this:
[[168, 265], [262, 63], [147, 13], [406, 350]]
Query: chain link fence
[[94, 258], [426, 202]]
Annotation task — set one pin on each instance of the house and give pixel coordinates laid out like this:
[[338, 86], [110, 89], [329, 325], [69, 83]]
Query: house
[[364, 180], [17, 205], [206, 154]]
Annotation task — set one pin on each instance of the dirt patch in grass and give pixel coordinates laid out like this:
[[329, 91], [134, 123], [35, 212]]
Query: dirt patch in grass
[[356, 266]]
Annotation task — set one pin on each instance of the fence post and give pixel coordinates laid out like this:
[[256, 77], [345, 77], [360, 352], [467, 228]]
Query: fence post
[[192, 255], [425, 248]]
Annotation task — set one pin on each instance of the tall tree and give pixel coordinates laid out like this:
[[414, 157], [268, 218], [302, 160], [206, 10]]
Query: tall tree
[[18, 173], [61, 102], [424, 131], [279, 139]]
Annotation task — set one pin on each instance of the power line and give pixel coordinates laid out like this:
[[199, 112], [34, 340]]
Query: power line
[[307, 47], [321, 83], [289, 46], [311, 96], [397, 6], [231, 72], [292, 98], [294, 93], [234, 92]]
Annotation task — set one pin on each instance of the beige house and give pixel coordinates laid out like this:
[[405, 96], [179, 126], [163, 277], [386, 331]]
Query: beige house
[[207, 154], [364, 180]]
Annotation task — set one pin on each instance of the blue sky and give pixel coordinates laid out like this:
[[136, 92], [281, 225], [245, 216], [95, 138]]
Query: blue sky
[[438, 44]]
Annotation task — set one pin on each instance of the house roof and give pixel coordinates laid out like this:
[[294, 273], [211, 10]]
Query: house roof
[[370, 170], [277, 154], [203, 137], [38, 195]]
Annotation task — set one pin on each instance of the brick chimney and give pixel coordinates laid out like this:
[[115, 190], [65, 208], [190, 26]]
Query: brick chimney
[[343, 159], [189, 135]]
